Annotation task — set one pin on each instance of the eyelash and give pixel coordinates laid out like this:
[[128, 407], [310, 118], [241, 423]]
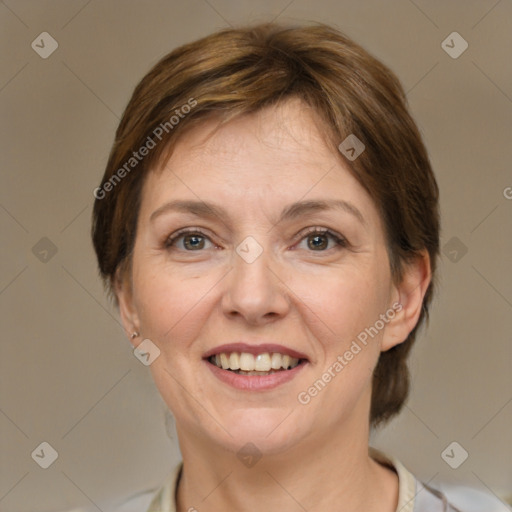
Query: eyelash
[[339, 240]]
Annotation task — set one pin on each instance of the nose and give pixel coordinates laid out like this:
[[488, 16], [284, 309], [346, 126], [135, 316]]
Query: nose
[[255, 291]]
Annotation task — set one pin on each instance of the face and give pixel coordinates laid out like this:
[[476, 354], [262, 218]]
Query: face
[[289, 258]]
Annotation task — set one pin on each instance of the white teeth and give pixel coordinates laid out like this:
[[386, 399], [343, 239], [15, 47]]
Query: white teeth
[[263, 362], [276, 361], [224, 361], [234, 361], [248, 364]]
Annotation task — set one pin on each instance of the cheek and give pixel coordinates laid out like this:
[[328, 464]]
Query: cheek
[[342, 304], [339, 316], [170, 304]]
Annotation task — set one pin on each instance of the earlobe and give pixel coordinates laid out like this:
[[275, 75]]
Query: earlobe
[[127, 311], [410, 294]]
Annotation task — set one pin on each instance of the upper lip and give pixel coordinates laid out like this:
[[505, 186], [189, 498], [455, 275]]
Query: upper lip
[[254, 349]]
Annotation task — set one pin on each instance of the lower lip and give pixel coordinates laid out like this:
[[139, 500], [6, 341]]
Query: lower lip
[[255, 382]]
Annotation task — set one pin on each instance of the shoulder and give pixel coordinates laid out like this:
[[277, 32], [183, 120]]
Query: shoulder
[[417, 496], [137, 503], [459, 498], [469, 499], [161, 499]]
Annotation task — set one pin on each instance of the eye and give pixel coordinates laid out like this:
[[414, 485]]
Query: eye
[[193, 240], [318, 239]]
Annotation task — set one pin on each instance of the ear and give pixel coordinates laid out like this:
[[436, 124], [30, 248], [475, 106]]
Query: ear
[[408, 301], [124, 293]]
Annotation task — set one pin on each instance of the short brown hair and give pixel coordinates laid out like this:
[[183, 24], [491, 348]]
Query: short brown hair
[[240, 71]]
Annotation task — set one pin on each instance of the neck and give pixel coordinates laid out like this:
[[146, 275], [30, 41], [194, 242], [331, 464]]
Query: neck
[[314, 475]]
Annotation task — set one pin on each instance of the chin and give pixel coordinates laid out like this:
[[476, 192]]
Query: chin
[[269, 430]]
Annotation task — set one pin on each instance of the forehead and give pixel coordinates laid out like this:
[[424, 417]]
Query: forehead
[[277, 155], [288, 125], [290, 131]]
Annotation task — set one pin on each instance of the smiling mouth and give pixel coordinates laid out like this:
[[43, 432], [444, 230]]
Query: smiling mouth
[[244, 363]]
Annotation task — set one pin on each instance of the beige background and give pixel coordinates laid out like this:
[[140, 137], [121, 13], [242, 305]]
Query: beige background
[[68, 375]]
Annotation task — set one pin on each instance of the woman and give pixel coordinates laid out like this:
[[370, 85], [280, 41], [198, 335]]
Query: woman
[[268, 225]]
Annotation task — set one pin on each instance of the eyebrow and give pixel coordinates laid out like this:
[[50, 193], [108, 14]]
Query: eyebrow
[[210, 210]]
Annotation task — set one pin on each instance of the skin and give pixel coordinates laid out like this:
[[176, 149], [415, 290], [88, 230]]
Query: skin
[[315, 300]]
